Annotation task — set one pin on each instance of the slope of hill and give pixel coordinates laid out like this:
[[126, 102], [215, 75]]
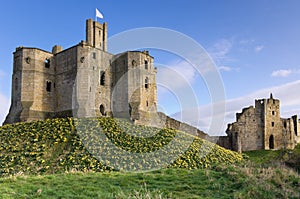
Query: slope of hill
[[59, 145]]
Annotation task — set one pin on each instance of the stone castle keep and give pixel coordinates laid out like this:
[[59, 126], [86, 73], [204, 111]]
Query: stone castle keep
[[84, 80], [261, 127]]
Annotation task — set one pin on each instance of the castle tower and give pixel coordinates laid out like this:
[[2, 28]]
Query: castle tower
[[96, 34], [33, 85], [273, 135], [134, 81]]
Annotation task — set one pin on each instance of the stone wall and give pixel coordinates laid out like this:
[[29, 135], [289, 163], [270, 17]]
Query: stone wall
[[261, 128]]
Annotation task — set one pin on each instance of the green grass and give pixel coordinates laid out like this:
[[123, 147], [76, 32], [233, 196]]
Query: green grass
[[219, 182], [290, 158], [47, 159]]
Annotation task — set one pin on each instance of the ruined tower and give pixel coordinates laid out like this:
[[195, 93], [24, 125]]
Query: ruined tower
[[261, 127]]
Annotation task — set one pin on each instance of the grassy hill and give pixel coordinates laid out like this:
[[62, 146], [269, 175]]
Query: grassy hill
[[64, 151], [59, 145]]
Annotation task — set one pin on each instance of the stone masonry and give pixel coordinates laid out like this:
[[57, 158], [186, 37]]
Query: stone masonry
[[261, 127], [83, 81]]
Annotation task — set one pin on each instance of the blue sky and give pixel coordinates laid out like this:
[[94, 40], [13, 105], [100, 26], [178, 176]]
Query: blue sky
[[255, 44]]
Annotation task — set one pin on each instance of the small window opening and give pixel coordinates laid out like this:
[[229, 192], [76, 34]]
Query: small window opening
[[94, 55], [271, 142], [273, 112], [284, 124], [147, 103], [47, 63], [102, 78], [102, 110], [54, 85], [273, 124], [146, 64], [147, 83], [48, 86], [90, 89]]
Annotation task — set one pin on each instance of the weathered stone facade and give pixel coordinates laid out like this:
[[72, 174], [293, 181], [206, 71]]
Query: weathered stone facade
[[261, 127], [83, 81]]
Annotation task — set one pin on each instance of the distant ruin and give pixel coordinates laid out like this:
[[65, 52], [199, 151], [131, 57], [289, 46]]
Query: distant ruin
[[261, 127]]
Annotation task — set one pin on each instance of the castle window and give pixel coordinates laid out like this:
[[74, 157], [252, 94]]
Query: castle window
[[147, 103], [28, 59], [102, 110], [273, 112], [146, 64], [271, 142], [284, 124], [273, 124], [147, 83], [48, 86], [47, 63], [94, 55], [134, 63], [102, 78]]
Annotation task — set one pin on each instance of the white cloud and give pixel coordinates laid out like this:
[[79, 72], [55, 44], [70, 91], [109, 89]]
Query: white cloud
[[281, 73], [284, 72], [259, 48], [176, 75], [221, 49], [4, 101], [288, 94], [225, 68], [228, 68]]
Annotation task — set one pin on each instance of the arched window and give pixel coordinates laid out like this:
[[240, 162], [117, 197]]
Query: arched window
[[147, 82], [102, 110], [146, 64], [47, 63], [102, 78], [271, 142], [48, 86]]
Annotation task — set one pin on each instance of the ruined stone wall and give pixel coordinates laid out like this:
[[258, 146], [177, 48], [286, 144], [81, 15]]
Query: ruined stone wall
[[245, 133]]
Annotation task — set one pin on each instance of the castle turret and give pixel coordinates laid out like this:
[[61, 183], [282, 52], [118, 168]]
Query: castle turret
[[96, 34]]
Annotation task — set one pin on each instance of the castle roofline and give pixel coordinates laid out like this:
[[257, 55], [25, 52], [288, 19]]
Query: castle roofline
[[31, 48]]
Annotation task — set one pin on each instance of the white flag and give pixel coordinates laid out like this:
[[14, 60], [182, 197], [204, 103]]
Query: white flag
[[98, 14]]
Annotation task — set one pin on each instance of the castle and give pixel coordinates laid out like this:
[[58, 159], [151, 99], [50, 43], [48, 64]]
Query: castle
[[84, 80], [87, 81], [261, 127]]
